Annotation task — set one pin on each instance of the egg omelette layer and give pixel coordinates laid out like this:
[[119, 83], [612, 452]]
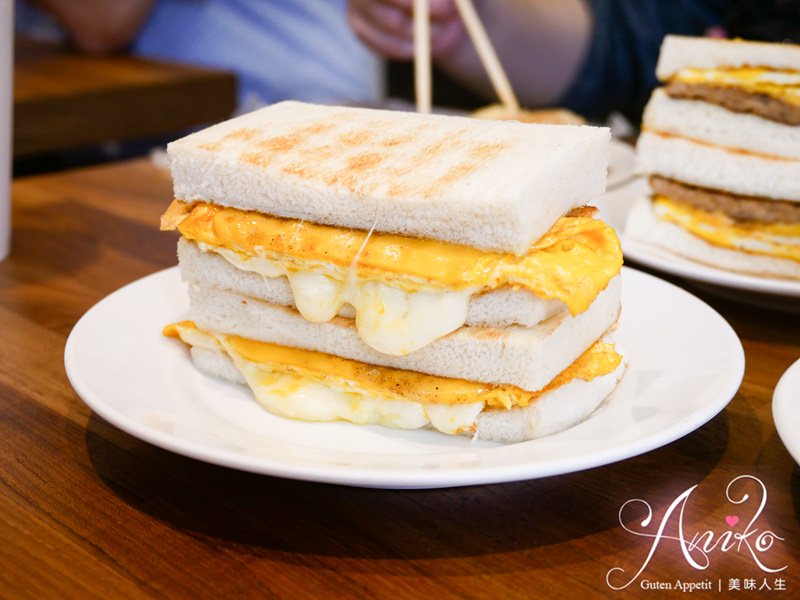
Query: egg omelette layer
[[778, 240], [385, 382], [573, 262]]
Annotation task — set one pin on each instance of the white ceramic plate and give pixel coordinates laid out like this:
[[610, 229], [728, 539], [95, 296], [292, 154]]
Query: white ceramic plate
[[614, 207], [686, 363], [786, 410]]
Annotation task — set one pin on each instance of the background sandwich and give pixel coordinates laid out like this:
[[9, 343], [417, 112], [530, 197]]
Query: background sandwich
[[721, 143]]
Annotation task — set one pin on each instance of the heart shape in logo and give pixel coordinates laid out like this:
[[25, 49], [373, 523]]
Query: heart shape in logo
[[731, 520]]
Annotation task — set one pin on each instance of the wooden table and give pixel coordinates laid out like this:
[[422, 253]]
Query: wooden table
[[66, 100], [88, 511]]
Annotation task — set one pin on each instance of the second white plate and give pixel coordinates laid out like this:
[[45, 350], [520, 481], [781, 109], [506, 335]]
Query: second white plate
[[786, 410], [686, 363]]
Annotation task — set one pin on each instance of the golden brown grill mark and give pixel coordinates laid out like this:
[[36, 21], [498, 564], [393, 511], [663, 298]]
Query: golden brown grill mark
[[433, 149], [315, 128], [258, 159], [453, 174], [355, 138], [272, 146], [298, 169], [486, 150], [397, 141], [319, 154], [282, 143], [458, 172], [364, 161], [398, 189], [246, 134]]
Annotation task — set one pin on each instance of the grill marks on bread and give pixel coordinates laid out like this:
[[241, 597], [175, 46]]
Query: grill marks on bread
[[340, 153]]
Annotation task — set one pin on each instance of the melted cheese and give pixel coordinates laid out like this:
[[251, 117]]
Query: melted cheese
[[573, 262], [776, 240], [406, 292], [389, 319], [313, 386], [784, 85]]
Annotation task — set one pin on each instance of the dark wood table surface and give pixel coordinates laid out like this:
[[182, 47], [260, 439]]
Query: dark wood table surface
[[64, 100], [87, 511]]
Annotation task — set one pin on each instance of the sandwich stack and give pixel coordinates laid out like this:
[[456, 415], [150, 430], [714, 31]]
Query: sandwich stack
[[400, 269], [721, 144]]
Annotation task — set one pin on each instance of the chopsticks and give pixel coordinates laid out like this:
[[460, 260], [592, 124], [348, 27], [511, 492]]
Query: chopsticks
[[422, 56], [483, 46], [488, 56]]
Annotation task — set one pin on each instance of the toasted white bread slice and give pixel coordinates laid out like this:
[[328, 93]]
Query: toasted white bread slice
[[493, 185], [714, 167], [682, 52], [552, 412], [716, 125], [499, 308], [644, 224], [527, 357]]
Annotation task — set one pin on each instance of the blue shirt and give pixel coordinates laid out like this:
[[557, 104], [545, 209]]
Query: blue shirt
[[619, 70], [300, 49], [280, 49]]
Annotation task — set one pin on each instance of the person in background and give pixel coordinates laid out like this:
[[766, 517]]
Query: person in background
[[280, 49], [591, 56]]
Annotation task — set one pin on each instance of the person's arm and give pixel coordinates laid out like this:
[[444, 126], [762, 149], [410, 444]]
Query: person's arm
[[618, 73], [591, 56], [99, 26], [541, 43]]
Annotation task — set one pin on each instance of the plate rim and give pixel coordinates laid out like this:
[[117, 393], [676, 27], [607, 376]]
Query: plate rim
[[405, 478], [665, 261], [781, 396]]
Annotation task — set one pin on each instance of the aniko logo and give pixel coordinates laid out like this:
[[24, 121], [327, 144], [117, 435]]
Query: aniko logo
[[699, 547]]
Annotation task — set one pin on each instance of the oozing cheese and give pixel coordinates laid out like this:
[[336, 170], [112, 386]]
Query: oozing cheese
[[314, 386], [776, 240], [784, 85], [406, 292], [389, 319]]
